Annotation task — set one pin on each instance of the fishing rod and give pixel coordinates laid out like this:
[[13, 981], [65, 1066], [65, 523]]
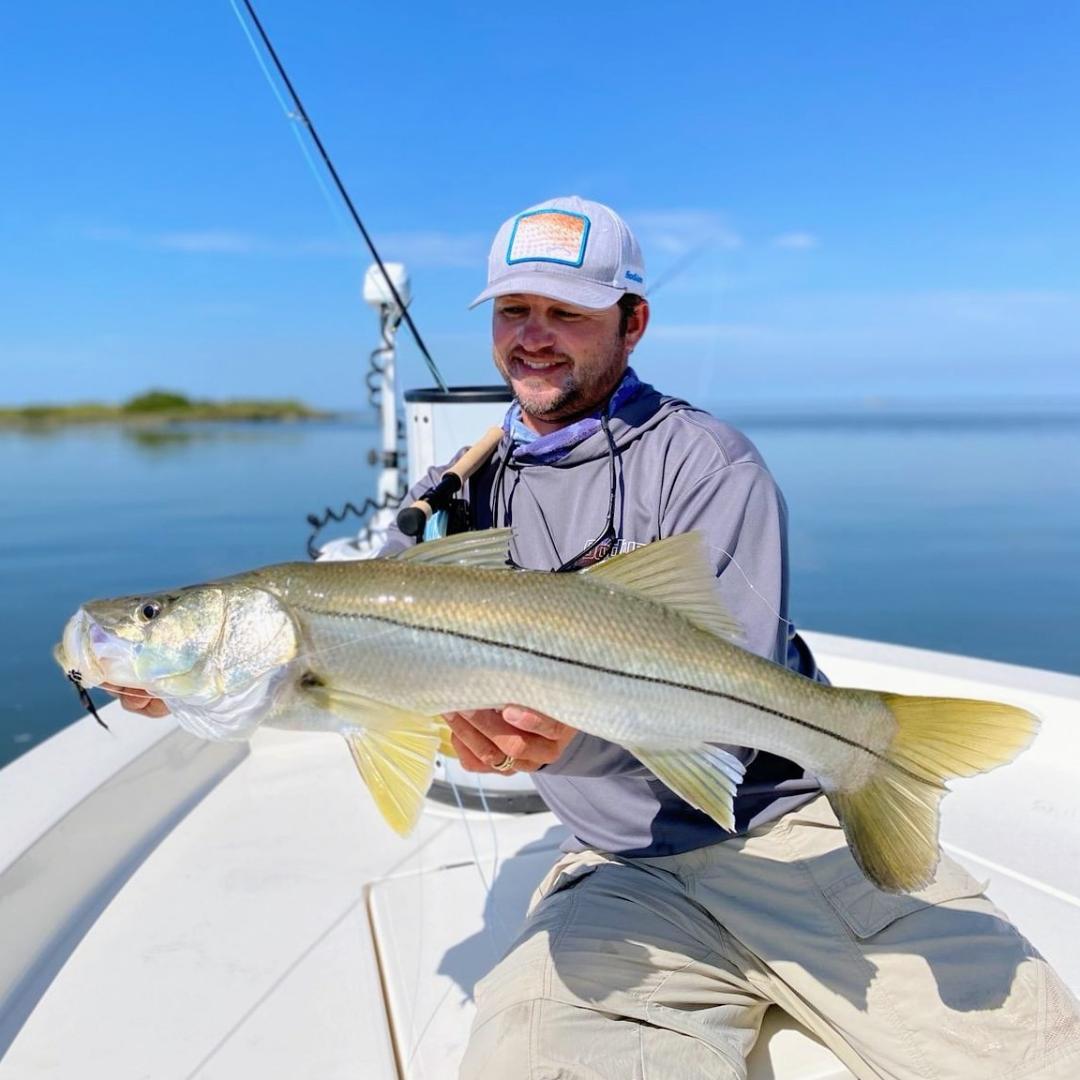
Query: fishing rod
[[413, 520], [300, 113]]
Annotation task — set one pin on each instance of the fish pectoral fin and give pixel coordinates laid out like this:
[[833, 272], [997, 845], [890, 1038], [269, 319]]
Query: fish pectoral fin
[[397, 768], [677, 573], [704, 776], [485, 549]]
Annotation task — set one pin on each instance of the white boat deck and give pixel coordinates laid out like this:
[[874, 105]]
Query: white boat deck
[[202, 910]]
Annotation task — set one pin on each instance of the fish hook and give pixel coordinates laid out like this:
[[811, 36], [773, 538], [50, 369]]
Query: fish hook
[[75, 678]]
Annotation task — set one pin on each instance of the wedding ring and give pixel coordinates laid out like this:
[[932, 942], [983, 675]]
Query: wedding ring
[[506, 765]]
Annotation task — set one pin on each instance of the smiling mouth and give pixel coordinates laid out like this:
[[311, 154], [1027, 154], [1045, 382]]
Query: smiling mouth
[[536, 364]]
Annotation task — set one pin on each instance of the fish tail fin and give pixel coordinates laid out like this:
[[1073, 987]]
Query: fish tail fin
[[891, 822]]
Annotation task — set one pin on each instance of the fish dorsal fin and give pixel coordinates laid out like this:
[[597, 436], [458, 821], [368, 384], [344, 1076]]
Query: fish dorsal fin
[[675, 572], [485, 549]]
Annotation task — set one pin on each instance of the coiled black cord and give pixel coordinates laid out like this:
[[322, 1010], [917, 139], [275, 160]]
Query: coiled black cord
[[318, 522], [376, 368]]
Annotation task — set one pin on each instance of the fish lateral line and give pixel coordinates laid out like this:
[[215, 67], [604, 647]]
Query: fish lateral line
[[654, 679]]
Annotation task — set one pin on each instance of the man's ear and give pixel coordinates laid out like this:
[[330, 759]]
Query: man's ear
[[635, 325]]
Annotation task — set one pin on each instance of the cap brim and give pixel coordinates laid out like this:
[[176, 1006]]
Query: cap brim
[[587, 294]]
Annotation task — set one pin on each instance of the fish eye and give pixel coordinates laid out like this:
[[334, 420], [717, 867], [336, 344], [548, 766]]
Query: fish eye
[[150, 610]]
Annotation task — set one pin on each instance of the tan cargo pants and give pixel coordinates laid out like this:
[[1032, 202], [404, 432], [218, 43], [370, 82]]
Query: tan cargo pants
[[661, 969]]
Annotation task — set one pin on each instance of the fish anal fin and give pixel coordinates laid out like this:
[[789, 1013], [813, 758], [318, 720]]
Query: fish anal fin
[[891, 821], [704, 776], [397, 768], [484, 549], [675, 572]]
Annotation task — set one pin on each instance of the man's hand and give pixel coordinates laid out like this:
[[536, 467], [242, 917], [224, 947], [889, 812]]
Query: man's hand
[[484, 738], [135, 700]]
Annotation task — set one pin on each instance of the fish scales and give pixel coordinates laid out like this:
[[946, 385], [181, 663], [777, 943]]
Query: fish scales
[[647, 674], [636, 649]]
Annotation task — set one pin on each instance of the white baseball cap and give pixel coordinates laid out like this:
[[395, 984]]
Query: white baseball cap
[[567, 249]]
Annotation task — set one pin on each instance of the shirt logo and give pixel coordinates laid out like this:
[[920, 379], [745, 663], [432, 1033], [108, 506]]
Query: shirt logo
[[604, 550]]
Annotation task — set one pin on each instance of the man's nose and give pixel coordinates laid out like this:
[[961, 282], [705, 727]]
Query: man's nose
[[536, 333]]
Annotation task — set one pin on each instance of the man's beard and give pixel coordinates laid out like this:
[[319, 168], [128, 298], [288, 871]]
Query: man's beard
[[576, 397]]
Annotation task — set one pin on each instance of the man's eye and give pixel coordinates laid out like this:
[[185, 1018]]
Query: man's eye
[[567, 316], [511, 311]]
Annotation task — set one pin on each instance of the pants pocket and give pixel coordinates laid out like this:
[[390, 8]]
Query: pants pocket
[[866, 910], [566, 872]]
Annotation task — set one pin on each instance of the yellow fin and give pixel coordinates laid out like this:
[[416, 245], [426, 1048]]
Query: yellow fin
[[675, 572], [706, 777], [485, 549], [891, 822], [394, 749], [367, 713], [397, 768], [446, 747], [940, 738]]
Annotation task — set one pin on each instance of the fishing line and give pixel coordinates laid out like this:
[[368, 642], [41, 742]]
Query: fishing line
[[491, 825], [488, 887], [752, 587], [469, 834], [417, 1039], [334, 207], [679, 266], [420, 876], [494, 845], [299, 114]]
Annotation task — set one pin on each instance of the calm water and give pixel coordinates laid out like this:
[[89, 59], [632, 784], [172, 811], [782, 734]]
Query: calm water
[[949, 533]]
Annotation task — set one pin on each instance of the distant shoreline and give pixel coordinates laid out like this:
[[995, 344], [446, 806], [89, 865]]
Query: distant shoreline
[[161, 407]]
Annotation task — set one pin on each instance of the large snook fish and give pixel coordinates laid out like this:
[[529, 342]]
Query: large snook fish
[[636, 650]]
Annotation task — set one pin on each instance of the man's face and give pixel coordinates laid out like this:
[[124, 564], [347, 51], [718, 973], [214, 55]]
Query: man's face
[[560, 360]]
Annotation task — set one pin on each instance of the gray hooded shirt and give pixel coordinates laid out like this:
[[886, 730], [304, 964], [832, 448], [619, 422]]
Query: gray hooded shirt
[[676, 469]]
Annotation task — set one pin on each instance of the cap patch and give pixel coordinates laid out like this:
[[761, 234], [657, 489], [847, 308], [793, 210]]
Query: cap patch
[[554, 236]]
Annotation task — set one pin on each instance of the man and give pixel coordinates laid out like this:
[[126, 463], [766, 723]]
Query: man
[[657, 942]]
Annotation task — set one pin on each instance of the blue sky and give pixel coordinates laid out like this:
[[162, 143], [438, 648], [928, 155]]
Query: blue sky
[[887, 194]]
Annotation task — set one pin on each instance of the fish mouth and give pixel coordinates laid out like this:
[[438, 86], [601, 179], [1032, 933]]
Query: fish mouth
[[72, 654], [114, 656], [97, 656]]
